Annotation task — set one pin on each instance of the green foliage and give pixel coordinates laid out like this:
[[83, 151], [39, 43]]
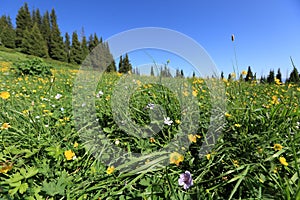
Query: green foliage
[[249, 76], [294, 76], [7, 32], [124, 65], [75, 53], [23, 22], [33, 42], [34, 66], [56, 45]]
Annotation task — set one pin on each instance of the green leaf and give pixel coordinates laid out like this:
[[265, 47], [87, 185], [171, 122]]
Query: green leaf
[[31, 171], [23, 188]]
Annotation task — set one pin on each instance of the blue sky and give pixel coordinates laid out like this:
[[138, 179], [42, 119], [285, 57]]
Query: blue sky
[[267, 32]]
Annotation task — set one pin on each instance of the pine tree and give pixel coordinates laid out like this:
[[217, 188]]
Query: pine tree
[[7, 32], [177, 73], [33, 42], [294, 76], [271, 77], [23, 22], [121, 67], [75, 53], [84, 48], [111, 67], [46, 29], [278, 75], [194, 74], [181, 74], [222, 75], [126, 64], [56, 47], [152, 71], [249, 76], [67, 46], [38, 19]]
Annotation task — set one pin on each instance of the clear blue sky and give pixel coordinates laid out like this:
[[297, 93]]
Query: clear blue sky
[[267, 31]]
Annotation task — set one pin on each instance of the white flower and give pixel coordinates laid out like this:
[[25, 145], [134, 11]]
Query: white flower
[[99, 94], [150, 106], [58, 96], [168, 121], [117, 142], [83, 104], [62, 109]]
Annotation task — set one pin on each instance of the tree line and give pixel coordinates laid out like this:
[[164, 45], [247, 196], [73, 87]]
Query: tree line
[[294, 76], [39, 35]]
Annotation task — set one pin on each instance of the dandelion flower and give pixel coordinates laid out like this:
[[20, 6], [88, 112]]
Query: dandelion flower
[[282, 160], [227, 115], [176, 158], [110, 170], [244, 72], [208, 156], [75, 144], [185, 180], [4, 95], [237, 125], [277, 147], [69, 154], [5, 168]]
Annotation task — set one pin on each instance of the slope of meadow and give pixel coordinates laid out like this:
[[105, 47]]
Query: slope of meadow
[[42, 155]]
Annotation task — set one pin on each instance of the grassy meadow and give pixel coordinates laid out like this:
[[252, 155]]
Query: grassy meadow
[[42, 155]]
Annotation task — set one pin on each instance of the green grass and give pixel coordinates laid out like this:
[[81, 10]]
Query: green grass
[[242, 165]]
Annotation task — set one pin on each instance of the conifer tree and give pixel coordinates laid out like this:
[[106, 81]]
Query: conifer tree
[[278, 75], [126, 66], [75, 53], [84, 48], [67, 46], [33, 42], [152, 71], [111, 67], [38, 19], [23, 22], [294, 76], [271, 77], [46, 28], [249, 76], [56, 47], [7, 32], [121, 67], [222, 75], [181, 74]]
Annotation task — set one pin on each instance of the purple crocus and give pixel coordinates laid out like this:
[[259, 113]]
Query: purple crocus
[[185, 180]]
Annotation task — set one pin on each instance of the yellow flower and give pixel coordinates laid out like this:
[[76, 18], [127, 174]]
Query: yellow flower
[[4, 168], [277, 147], [237, 125], [192, 138], [5, 126], [282, 160], [176, 158], [233, 75], [244, 72], [236, 163], [195, 93], [69, 154], [227, 115], [75, 144], [208, 156], [110, 170], [298, 89], [152, 140], [177, 121], [4, 95]]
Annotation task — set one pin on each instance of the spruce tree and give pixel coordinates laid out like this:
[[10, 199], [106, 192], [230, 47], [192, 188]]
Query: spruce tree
[[121, 67], [84, 48], [56, 47], [294, 76], [271, 77], [46, 28], [111, 67], [67, 46], [126, 64], [38, 19], [152, 71], [7, 32], [222, 75], [33, 42], [75, 53], [181, 74], [249, 76], [23, 22], [278, 75]]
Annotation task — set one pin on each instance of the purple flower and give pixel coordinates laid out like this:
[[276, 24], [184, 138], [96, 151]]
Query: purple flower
[[185, 180]]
